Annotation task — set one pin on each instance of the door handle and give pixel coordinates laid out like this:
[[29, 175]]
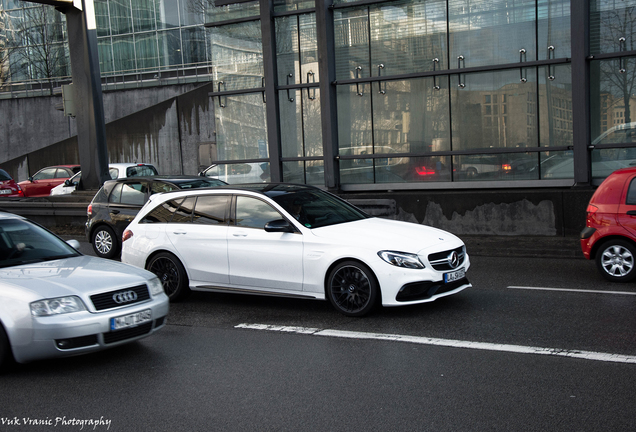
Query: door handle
[[632, 213], [239, 234], [179, 232], [114, 211]]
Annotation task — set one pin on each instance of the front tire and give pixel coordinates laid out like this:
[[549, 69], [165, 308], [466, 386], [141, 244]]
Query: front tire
[[352, 289], [105, 242], [616, 260], [172, 275]]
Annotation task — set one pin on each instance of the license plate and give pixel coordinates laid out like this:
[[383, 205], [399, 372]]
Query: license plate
[[131, 320], [5, 191], [454, 276]]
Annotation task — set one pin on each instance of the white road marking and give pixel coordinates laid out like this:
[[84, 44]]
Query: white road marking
[[574, 290], [518, 349]]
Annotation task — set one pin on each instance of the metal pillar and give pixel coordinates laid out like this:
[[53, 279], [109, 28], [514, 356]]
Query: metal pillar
[[580, 12], [271, 95], [328, 93]]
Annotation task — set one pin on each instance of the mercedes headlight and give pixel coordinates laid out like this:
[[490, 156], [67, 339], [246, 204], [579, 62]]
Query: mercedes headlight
[[155, 286], [56, 306], [401, 259]]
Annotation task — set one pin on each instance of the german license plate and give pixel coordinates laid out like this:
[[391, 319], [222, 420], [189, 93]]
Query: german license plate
[[5, 191], [131, 320], [454, 276]]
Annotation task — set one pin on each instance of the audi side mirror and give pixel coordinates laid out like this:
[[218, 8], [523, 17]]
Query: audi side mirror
[[279, 225]]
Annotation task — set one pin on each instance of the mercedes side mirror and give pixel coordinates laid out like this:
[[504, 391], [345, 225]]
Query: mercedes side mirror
[[279, 225]]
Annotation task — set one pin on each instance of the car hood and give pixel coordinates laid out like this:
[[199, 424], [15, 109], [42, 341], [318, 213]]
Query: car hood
[[79, 276], [386, 234]]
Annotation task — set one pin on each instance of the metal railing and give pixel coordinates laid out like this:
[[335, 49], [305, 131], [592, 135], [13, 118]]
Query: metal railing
[[137, 78]]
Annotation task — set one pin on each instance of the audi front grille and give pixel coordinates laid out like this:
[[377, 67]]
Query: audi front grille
[[120, 297]]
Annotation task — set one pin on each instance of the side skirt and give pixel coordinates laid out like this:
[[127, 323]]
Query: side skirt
[[211, 288]]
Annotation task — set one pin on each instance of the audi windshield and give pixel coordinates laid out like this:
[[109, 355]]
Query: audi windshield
[[22, 242]]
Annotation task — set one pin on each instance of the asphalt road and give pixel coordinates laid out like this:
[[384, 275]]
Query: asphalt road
[[502, 356]]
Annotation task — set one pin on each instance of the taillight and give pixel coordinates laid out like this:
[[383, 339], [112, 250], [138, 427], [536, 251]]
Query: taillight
[[89, 210], [506, 167], [127, 234], [591, 208], [423, 171]]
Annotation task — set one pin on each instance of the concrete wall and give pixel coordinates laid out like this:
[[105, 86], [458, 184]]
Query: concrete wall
[[162, 126], [532, 212]]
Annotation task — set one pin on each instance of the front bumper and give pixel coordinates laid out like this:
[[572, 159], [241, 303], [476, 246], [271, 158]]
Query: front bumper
[[84, 332], [429, 291]]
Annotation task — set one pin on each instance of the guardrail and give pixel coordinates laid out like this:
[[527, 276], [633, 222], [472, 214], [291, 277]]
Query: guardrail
[[52, 213]]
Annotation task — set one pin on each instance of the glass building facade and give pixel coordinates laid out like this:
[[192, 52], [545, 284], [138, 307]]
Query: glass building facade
[[364, 95]]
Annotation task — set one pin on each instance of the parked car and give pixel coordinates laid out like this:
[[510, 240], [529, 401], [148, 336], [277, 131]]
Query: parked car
[[8, 187], [609, 236], [295, 241], [118, 201], [116, 171], [46, 179], [56, 302]]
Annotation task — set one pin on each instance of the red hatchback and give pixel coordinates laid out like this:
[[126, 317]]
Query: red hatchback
[[610, 233], [8, 187], [46, 179]]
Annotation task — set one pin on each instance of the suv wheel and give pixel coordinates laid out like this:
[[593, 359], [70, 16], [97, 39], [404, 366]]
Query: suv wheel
[[105, 243], [616, 260]]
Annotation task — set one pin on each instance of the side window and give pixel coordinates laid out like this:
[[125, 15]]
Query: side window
[[254, 213], [158, 187], [211, 210], [631, 193], [115, 194], [162, 213], [184, 213], [134, 193], [45, 174]]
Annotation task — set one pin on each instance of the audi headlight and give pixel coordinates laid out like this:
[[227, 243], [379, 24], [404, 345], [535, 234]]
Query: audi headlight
[[401, 259], [155, 286], [56, 306]]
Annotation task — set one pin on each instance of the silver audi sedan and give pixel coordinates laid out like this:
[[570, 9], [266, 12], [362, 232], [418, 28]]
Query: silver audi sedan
[[56, 302]]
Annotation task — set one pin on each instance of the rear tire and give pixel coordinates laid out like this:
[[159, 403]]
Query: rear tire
[[172, 275], [616, 260], [105, 242]]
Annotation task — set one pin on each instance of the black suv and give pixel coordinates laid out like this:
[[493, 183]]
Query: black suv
[[116, 204]]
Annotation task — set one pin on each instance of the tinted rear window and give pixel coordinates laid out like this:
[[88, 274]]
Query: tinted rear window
[[4, 176], [141, 171]]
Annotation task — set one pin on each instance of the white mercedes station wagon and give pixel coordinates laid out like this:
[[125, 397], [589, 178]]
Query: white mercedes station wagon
[[291, 240], [56, 302]]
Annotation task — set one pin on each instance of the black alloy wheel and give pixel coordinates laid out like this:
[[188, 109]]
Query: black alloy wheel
[[105, 242], [352, 289], [616, 260], [172, 275]]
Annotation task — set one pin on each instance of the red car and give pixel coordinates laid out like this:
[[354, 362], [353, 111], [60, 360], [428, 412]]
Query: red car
[[8, 187], [610, 233], [46, 179]]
